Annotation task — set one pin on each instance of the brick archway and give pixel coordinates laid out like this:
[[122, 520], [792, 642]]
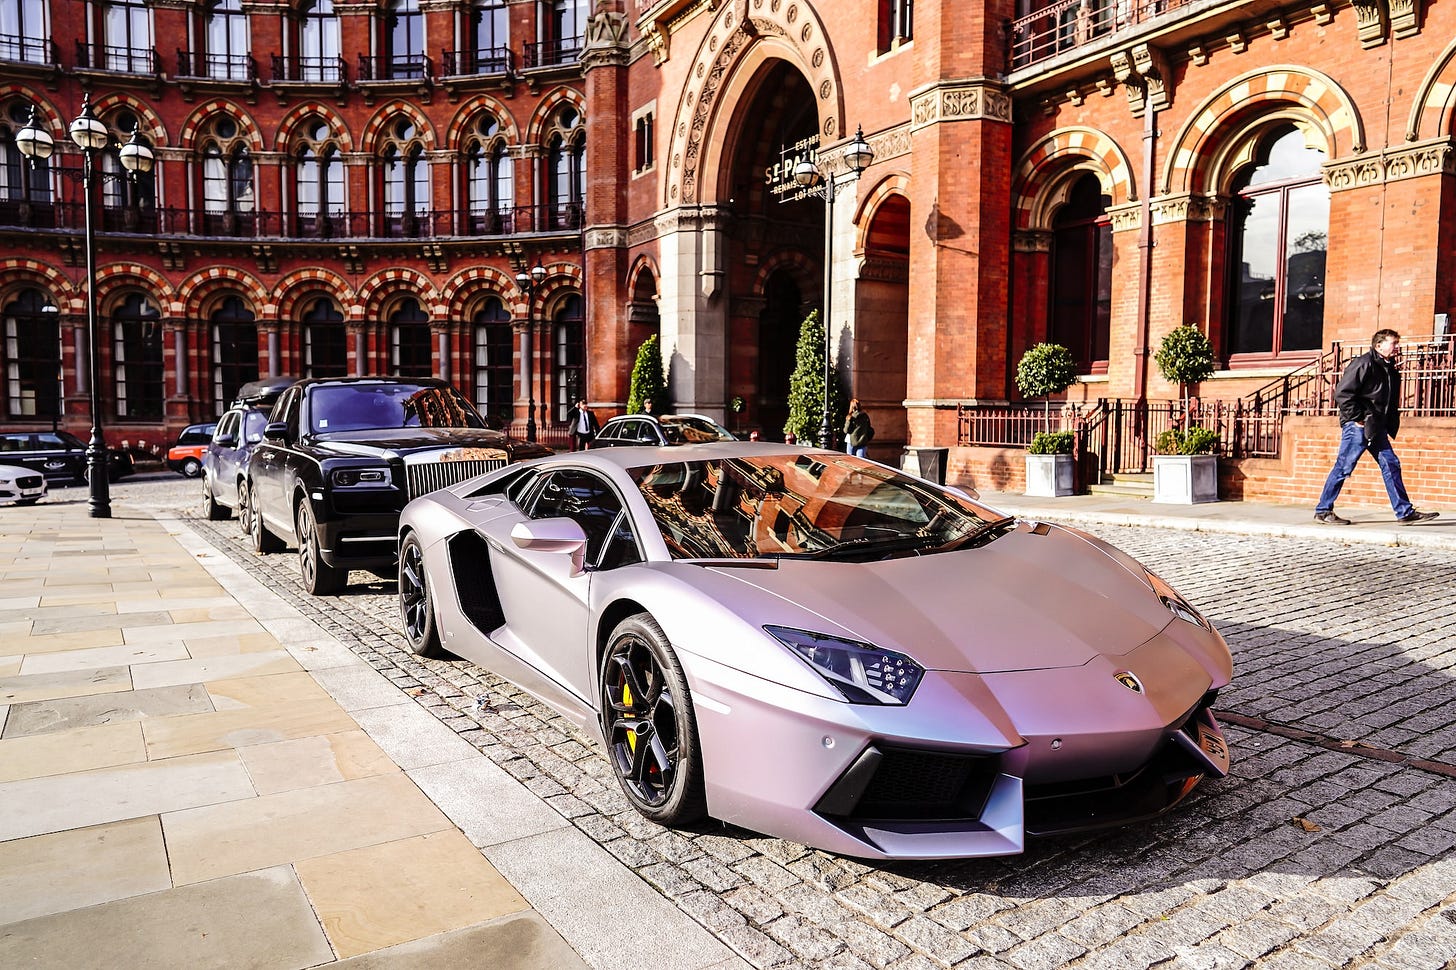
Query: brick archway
[[1060, 152], [309, 282], [373, 133], [467, 286], [386, 284], [247, 127], [22, 272], [1433, 112], [198, 289], [339, 132]]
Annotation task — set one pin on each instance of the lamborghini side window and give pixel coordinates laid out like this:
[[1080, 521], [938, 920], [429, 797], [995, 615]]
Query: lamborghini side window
[[520, 486], [584, 498], [621, 546]]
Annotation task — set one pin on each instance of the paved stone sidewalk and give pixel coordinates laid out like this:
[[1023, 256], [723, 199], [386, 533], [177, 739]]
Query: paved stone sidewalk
[[194, 775]]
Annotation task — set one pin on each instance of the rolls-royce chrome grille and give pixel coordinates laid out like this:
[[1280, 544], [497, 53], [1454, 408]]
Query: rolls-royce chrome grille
[[429, 476]]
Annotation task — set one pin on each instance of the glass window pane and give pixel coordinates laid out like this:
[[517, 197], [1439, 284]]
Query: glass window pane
[[1258, 248], [1304, 268]]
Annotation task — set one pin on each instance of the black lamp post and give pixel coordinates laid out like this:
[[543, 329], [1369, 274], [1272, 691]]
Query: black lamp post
[[528, 281], [90, 135], [858, 155]]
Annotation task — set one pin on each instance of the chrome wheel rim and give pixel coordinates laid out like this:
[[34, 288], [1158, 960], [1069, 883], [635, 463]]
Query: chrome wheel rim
[[307, 547], [414, 598], [245, 508], [641, 715]]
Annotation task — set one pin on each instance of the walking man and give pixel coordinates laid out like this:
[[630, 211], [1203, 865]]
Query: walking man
[[1369, 400], [584, 426]]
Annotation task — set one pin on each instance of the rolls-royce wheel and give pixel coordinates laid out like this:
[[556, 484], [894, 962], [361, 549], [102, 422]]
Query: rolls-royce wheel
[[416, 609], [319, 578], [648, 722], [263, 540], [210, 506]]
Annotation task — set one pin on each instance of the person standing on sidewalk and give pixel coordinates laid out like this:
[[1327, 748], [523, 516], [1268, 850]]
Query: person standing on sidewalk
[[584, 426], [1368, 397], [858, 432]]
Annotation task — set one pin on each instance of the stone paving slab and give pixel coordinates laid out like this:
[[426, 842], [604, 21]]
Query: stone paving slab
[[489, 805], [64, 713], [37, 686], [79, 749], [120, 859], [123, 656], [518, 940]]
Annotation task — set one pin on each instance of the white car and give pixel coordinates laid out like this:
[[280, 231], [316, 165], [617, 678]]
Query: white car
[[23, 486]]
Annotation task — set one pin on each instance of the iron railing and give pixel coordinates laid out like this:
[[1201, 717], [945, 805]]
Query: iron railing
[[217, 67], [320, 70], [1068, 24], [123, 60], [395, 67], [487, 60], [29, 50], [551, 53]]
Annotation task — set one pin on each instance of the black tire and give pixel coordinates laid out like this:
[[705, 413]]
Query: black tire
[[319, 578], [416, 606], [648, 722], [27, 501], [245, 511], [264, 542], [191, 468], [210, 506]]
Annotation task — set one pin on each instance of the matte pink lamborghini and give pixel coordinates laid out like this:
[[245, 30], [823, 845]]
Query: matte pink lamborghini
[[821, 648]]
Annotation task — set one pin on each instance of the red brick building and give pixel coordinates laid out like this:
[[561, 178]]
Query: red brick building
[[351, 186]]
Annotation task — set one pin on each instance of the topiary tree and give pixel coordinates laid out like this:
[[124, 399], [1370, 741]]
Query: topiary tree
[[806, 388], [1044, 370], [1185, 357], [648, 382]]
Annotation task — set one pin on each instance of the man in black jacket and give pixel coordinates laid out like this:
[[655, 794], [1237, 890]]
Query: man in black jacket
[[1369, 402], [584, 426]]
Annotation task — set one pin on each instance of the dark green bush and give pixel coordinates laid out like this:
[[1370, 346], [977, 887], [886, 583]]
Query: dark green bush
[[1052, 443], [1195, 441]]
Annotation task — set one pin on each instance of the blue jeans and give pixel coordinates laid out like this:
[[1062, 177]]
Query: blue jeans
[[857, 450], [1352, 446]]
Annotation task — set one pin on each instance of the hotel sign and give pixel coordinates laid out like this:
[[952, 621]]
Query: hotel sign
[[779, 177]]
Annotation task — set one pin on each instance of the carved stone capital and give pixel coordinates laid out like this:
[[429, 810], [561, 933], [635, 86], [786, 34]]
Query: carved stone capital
[[1354, 173], [978, 100], [606, 41], [1186, 208], [1370, 22], [606, 237], [1405, 18], [885, 269], [1126, 217], [1152, 65]]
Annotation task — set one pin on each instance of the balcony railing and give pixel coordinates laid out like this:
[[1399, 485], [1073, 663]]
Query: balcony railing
[[1068, 24], [489, 60], [395, 67], [217, 67], [319, 70], [179, 221], [29, 50], [550, 53], [123, 60]]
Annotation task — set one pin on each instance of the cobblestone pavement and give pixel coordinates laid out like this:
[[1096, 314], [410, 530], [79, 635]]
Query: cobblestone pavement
[[1330, 845]]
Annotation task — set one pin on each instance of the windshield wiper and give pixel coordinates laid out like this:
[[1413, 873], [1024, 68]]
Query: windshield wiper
[[979, 532], [862, 544]]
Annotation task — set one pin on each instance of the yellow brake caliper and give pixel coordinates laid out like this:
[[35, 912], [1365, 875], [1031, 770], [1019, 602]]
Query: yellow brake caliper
[[627, 702]]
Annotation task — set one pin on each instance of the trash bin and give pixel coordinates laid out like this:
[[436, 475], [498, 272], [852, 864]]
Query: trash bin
[[928, 463]]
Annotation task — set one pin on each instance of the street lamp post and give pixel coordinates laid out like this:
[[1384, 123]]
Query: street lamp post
[[528, 282], [858, 155], [90, 135]]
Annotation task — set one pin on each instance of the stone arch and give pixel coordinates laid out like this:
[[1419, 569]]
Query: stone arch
[[546, 107], [644, 264], [247, 127], [892, 184], [201, 288], [562, 280], [799, 266], [374, 131], [114, 277], [386, 284], [466, 287], [148, 120], [1315, 98], [338, 130], [46, 112], [1433, 112], [307, 282], [728, 58], [467, 111], [21, 271], [1047, 163]]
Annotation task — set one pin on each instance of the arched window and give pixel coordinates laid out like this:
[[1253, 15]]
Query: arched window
[[318, 42], [19, 180], [325, 343], [406, 176], [566, 169], [32, 356], [24, 34], [489, 177], [406, 27], [409, 340], [1081, 275], [234, 351], [136, 328], [569, 358], [1278, 229], [318, 183], [133, 195], [495, 387], [227, 178], [126, 32], [226, 32]]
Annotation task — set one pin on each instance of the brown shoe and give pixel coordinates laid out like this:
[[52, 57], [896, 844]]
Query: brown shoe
[[1330, 518], [1413, 517]]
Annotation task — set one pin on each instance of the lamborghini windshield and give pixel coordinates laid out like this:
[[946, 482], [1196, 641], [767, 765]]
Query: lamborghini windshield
[[809, 506]]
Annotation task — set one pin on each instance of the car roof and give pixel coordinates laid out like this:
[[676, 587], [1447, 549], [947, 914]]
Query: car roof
[[636, 456], [372, 381], [265, 390]]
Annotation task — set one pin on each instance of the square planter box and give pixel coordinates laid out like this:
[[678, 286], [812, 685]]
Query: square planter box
[[1185, 479], [1050, 476]]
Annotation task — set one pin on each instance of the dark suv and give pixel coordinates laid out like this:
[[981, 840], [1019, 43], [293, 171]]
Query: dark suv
[[56, 455], [340, 458], [238, 432]]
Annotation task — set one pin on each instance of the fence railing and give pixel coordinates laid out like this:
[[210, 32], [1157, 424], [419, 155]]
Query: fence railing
[[123, 60], [488, 60], [1068, 24], [321, 70], [29, 50], [548, 434], [395, 67], [550, 53], [217, 67]]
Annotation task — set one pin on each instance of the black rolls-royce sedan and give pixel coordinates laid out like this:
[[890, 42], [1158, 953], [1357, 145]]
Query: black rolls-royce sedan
[[341, 457]]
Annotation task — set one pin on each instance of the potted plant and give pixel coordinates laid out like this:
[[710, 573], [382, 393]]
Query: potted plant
[[1185, 468], [1044, 370]]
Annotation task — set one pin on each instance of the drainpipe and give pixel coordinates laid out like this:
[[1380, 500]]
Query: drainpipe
[[1145, 255]]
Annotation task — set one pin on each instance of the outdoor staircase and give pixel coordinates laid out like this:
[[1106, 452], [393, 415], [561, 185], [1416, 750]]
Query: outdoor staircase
[[1134, 485]]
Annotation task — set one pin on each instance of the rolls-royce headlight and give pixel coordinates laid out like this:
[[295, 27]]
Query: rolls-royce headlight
[[1176, 604], [862, 673], [349, 477]]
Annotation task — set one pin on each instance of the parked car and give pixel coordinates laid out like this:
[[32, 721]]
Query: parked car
[[23, 486], [815, 646], [58, 455], [666, 429], [238, 432], [185, 456], [340, 458]]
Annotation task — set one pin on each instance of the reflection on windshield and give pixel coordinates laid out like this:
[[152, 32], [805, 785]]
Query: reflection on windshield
[[685, 430], [370, 407], [811, 506]]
